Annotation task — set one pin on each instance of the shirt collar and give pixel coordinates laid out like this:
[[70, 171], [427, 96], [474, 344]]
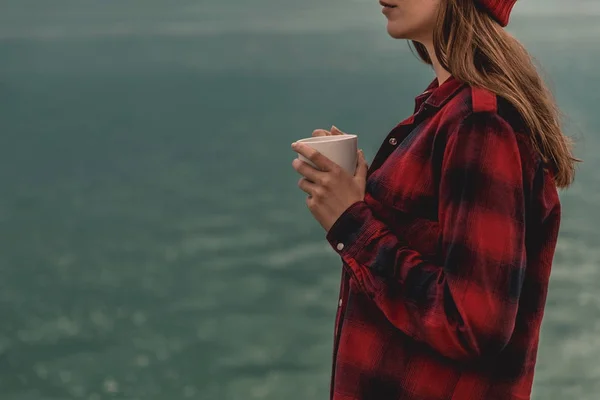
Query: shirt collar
[[435, 95]]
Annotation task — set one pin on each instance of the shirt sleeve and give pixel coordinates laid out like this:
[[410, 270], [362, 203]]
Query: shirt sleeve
[[464, 303]]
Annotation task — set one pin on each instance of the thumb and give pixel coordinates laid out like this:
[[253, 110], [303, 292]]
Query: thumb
[[336, 131], [362, 167]]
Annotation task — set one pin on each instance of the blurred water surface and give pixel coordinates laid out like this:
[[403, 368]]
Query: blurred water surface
[[154, 242]]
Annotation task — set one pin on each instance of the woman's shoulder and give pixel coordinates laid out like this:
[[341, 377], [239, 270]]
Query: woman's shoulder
[[484, 108], [473, 102], [487, 113]]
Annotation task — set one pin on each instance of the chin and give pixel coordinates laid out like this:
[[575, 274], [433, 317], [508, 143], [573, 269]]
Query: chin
[[398, 32]]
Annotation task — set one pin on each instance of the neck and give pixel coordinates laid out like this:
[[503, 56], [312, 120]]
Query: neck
[[440, 72]]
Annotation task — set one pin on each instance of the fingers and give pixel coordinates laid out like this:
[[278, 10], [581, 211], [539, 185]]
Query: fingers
[[362, 167], [306, 170], [336, 131], [307, 186], [324, 132], [321, 132], [322, 163]]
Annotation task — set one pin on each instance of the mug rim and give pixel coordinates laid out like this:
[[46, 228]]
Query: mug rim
[[330, 138]]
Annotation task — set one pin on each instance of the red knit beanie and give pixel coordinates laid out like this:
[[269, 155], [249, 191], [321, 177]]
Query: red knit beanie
[[499, 9]]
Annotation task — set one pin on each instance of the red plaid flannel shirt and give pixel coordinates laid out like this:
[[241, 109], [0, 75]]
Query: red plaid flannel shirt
[[447, 260]]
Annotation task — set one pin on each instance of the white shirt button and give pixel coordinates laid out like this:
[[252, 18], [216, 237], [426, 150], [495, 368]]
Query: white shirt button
[[340, 303], [340, 246], [393, 141]]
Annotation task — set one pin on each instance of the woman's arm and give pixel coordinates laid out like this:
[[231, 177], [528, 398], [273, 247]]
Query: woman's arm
[[465, 306]]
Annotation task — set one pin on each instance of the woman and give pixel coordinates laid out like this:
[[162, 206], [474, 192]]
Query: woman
[[447, 239]]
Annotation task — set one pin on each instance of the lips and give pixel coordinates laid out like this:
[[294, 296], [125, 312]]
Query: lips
[[387, 5]]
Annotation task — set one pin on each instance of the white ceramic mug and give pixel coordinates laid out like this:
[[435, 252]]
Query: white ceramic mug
[[341, 149]]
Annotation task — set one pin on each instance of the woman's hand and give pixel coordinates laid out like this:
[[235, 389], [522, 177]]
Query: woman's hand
[[332, 190], [323, 132]]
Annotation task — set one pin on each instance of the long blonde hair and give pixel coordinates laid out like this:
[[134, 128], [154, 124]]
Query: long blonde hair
[[478, 51]]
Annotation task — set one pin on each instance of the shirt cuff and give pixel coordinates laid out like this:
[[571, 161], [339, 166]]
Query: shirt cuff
[[352, 229]]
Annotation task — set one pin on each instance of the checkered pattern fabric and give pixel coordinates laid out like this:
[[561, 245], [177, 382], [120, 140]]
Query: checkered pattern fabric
[[446, 261]]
